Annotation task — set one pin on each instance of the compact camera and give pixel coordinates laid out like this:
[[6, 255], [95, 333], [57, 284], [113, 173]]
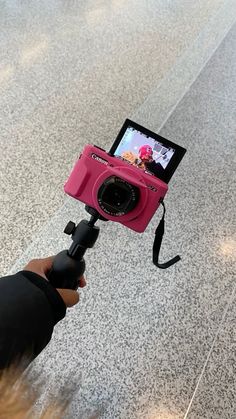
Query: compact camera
[[128, 183]]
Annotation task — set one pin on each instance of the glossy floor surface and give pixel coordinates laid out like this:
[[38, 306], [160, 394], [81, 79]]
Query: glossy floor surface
[[142, 343], [70, 73]]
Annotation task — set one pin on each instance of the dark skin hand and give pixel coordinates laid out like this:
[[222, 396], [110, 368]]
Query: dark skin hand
[[42, 268]]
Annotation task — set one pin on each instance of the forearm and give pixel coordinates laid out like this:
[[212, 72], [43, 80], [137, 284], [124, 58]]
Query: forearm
[[29, 309]]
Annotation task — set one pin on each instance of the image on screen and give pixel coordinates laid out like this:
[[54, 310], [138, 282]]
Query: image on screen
[[144, 152]]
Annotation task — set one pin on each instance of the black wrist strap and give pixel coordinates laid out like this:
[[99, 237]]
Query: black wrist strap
[[157, 244]]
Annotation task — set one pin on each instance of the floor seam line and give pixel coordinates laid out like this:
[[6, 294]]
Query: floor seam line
[[210, 352]]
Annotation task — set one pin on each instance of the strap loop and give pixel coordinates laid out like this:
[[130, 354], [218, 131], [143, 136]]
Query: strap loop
[[157, 243]]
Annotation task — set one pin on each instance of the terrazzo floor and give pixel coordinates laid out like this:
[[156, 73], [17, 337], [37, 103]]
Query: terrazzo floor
[[142, 343], [70, 73]]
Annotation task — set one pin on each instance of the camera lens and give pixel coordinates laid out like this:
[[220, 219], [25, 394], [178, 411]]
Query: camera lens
[[117, 197]]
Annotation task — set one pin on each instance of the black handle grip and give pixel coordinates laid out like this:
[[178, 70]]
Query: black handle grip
[[66, 271]]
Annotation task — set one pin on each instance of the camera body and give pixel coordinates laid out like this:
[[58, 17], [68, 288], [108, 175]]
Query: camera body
[[118, 190]]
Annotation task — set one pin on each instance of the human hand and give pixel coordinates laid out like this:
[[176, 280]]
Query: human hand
[[42, 267]]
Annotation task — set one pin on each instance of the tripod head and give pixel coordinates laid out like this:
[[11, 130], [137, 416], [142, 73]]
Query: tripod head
[[69, 265]]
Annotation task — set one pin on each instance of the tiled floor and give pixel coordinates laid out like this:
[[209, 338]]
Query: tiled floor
[[70, 73], [143, 343], [216, 394]]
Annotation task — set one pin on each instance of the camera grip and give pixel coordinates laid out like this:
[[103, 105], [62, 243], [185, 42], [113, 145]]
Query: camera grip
[[66, 271]]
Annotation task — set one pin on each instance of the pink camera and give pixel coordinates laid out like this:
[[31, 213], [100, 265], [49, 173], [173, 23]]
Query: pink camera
[[128, 183], [117, 190]]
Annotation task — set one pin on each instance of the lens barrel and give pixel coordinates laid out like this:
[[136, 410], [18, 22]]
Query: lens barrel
[[117, 197]]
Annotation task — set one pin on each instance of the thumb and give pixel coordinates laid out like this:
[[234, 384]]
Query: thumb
[[70, 297]]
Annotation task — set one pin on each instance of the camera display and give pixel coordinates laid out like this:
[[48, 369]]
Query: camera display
[[147, 151]]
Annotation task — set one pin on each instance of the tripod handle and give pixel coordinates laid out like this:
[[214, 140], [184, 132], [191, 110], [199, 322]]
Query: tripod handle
[[69, 265], [66, 271]]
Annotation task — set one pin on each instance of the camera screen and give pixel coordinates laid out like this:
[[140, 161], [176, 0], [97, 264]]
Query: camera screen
[[147, 151]]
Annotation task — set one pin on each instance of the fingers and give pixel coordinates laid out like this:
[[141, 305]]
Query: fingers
[[43, 266], [82, 282], [40, 266], [69, 297], [46, 263]]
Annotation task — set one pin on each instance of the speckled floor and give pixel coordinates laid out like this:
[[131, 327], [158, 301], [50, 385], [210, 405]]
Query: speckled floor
[[70, 73], [143, 343]]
